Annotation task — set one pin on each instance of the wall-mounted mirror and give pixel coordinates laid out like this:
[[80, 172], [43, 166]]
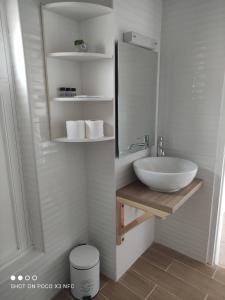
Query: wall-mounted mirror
[[136, 85]]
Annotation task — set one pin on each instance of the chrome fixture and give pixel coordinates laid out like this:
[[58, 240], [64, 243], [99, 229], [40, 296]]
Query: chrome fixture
[[160, 147], [145, 144]]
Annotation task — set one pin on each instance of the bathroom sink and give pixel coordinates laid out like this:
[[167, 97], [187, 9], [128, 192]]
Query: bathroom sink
[[165, 174]]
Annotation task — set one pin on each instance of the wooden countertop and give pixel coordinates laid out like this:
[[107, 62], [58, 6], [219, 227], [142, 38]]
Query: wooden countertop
[[140, 194]]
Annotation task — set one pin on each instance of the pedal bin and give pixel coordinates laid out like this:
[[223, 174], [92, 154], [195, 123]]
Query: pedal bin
[[84, 272]]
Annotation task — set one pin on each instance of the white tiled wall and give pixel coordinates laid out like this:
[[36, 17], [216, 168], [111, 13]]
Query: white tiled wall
[[61, 171], [62, 181], [143, 17], [24, 124], [189, 102], [54, 173], [101, 203], [191, 79]]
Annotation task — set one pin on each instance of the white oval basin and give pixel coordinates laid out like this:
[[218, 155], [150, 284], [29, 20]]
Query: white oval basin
[[165, 174]]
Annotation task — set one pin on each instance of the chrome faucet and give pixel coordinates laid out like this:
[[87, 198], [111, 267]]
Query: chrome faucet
[[160, 146], [145, 144]]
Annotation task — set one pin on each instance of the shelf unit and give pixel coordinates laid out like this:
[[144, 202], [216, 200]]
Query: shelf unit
[[82, 99], [80, 56], [78, 11], [91, 72], [66, 140]]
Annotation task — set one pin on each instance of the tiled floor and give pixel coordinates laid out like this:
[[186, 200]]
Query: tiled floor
[[163, 274], [222, 245]]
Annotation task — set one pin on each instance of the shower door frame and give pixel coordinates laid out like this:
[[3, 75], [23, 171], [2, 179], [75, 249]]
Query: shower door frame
[[218, 197]]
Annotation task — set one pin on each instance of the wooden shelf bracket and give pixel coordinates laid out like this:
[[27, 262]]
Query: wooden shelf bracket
[[122, 229]]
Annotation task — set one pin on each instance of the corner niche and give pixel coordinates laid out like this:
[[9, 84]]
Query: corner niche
[[91, 73]]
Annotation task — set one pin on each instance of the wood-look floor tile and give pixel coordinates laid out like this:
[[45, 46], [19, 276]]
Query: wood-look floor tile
[[161, 294], [157, 258], [139, 285], [66, 295], [117, 291], [169, 282], [100, 296], [196, 279], [203, 268], [177, 277], [220, 275], [215, 297], [103, 281]]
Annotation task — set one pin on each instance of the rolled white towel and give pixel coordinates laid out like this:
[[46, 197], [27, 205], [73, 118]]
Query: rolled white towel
[[75, 129], [94, 129]]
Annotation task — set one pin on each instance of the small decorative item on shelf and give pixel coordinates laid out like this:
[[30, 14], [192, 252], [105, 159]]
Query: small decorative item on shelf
[[80, 46]]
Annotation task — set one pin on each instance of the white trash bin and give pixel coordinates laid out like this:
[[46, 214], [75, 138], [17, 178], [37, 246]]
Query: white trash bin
[[84, 271]]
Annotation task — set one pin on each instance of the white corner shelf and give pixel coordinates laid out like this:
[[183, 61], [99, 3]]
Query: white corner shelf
[[77, 10], [80, 56], [66, 140], [90, 72], [82, 99]]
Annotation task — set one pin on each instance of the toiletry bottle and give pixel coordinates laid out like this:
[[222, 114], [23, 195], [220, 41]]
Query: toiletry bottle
[[62, 92], [68, 92], [73, 92]]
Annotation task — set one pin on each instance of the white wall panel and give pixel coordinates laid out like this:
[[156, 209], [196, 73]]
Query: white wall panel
[[9, 240], [60, 178], [143, 17], [15, 238], [192, 71], [140, 16], [59, 184], [24, 122], [101, 203], [60, 169]]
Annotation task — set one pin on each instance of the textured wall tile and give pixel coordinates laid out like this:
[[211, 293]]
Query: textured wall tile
[[192, 72], [55, 175], [61, 171], [143, 17], [101, 203]]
